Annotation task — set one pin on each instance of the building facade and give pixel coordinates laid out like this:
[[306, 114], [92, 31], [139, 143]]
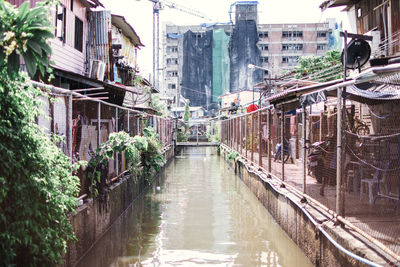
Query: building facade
[[277, 48]]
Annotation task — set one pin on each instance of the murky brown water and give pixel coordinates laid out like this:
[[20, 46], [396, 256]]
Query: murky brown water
[[198, 213]]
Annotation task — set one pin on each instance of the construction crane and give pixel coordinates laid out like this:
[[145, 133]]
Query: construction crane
[[157, 6]]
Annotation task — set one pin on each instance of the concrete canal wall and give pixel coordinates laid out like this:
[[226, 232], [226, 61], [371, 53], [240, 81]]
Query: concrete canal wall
[[302, 222], [95, 217]]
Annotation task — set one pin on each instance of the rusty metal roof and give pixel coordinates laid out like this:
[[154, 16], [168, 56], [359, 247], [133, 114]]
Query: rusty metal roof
[[91, 3], [335, 3], [121, 23]]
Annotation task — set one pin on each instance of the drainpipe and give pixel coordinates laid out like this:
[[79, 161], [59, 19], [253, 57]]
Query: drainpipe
[[69, 129]]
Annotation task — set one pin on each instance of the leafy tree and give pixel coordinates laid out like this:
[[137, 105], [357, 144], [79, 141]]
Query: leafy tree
[[159, 106], [24, 32], [37, 188], [320, 68], [186, 114]]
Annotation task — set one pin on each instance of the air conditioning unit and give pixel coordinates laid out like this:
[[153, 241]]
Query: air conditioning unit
[[97, 69]]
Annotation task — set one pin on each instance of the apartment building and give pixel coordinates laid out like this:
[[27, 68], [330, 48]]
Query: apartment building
[[279, 45]]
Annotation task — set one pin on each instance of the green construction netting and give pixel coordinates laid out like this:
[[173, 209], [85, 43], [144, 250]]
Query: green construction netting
[[221, 64]]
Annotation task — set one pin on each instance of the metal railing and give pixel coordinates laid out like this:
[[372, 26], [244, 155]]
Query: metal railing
[[367, 195], [85, 123]]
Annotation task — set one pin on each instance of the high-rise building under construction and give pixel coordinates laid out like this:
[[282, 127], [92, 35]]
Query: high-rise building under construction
[[203, 62]]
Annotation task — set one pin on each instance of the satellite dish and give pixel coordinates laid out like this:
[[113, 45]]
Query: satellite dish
[[358, 53]]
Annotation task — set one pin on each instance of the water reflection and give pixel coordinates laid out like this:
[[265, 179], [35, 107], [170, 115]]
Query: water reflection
[[197, 213]]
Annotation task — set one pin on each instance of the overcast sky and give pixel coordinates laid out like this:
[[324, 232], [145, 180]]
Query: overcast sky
[[139, 14]]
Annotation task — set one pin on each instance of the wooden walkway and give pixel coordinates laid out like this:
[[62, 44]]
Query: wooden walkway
[[197, 144]]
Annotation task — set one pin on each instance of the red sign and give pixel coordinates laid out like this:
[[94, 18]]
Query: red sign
[[252, 108]]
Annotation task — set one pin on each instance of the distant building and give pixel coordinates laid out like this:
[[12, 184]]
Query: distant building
[[195, 112], [218, 66], [243, 98]]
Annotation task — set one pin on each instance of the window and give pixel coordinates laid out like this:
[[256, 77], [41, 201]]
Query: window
[[287, 34], [290, 59], [321, 34], [72, 5], [264, 47], [264, 59], [359, 12], [78, 34], [265, 73], [172, 61], [172, 49], [297, 34], [321, 46], [171, 86], [263, 35], [60, 22], [292, 46], [172, 74]]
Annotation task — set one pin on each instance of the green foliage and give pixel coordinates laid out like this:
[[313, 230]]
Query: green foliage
[[320, 68], [186, 114], [151, 158], [37, 187], [213, 133], [182, 135], [142, 154], [233, 156], [25, 32], [159, 106]]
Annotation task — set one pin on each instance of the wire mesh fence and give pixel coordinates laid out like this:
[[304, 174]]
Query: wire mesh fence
[[368, 191], [85, 123]]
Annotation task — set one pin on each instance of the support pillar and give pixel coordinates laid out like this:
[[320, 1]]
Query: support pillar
[[339, 162], [304, 155], [282, 139], [269, 140]]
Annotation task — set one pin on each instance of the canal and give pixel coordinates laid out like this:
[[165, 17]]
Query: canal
[[196, 213]]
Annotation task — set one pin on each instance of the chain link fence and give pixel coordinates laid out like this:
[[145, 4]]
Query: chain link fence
[[367, 195], [83, 124]]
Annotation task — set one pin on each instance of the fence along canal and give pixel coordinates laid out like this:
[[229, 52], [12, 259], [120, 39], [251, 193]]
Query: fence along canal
[[197, 212], [367, 198]]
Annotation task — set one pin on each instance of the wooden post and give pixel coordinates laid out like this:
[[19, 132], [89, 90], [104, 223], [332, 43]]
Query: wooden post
[[240, 135], [252, 137], [259, 140], [98, 124], [304, 156], [245, 132], [128, 127], [282, 139], [269, 140], [116, 155], [339, 162], [197, 134]]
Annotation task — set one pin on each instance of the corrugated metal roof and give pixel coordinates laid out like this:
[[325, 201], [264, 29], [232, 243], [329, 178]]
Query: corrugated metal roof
[[293, 92], [334, 3]]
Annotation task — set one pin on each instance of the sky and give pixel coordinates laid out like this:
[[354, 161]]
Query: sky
[[139, 13]]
